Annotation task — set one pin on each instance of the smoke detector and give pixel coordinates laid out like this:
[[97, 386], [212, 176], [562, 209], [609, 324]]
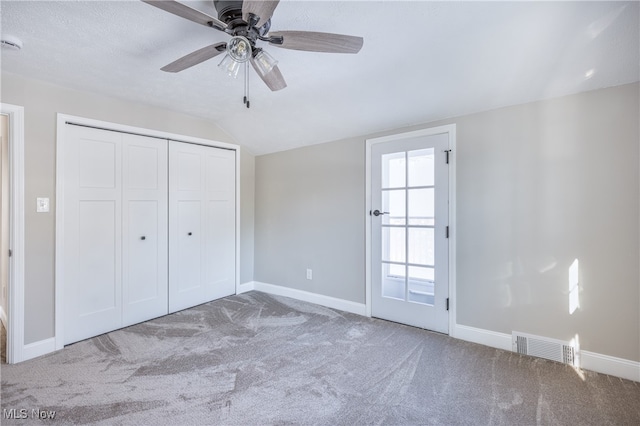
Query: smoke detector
[[11, 43]]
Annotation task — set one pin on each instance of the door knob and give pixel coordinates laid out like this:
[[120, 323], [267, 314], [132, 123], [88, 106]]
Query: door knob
[[190, 233], [379, 213], [143, 238]]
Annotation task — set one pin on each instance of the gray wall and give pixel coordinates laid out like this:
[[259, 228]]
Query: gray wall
[[538, 185], [309, 214], [247, 191], [41, 103]]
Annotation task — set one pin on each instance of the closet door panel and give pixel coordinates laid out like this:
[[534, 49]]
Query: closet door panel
[[92, 266], [220, 250], [220, 222], [145, 221], [186, 182], [188, 170], [146, 164], [145, 276], [143, 251], [98, 281], [98, 160], [202, 202], [189, 241]]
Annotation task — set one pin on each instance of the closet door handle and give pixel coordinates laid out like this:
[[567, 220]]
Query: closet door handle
[[143, 238], [190, 233]]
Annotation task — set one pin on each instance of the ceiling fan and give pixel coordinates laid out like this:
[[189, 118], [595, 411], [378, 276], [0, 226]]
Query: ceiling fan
[[248, 22]]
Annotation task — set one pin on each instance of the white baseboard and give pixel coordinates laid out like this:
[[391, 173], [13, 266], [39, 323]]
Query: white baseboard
[[36, 349], [245, 287], [610, 365], [599, 363], [481, 336], [305, 296], [3, 318]]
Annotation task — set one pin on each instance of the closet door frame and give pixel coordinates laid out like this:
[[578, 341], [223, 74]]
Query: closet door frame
[[63, 120]]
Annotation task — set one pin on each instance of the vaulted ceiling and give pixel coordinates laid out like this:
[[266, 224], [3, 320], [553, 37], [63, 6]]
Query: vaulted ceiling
[[420, 61]]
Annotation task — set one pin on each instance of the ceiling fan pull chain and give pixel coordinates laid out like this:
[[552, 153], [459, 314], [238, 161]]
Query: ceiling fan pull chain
[[246, 84]]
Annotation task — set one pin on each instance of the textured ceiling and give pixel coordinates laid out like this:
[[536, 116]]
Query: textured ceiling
[[421, 61]]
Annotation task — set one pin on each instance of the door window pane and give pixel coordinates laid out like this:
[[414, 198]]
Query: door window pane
[[422, 206], [421, 246], [393, 244], [398, 271], [421, 167], [419, 273], [421, 285], [393, 286], [394, 170], [394, 203]]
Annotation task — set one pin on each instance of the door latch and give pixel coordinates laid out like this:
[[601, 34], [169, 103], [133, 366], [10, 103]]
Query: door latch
[[377, 212]]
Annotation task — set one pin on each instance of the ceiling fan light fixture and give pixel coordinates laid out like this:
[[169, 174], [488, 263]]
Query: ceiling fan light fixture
[[230, 66], [264, 62], [239, 48]]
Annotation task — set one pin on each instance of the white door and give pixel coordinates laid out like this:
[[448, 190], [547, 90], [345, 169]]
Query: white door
[[145, 279], [409, 231], [115, 231], [92, 230], [220, 223], [201, 224]]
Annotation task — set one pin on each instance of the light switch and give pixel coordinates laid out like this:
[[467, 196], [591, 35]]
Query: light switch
[[42, 205]]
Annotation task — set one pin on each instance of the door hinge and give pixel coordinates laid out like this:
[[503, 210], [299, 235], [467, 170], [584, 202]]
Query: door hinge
[[447, 303], [446, 152], [447, 231], [10, 253]]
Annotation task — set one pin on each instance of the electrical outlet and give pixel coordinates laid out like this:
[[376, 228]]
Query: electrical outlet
[[309, 274]]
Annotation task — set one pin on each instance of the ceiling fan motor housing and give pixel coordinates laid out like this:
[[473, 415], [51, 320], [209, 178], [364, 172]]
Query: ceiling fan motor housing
[[228, 10]]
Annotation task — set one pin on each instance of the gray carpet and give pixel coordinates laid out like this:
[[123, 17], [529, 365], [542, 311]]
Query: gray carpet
[[257, 359]]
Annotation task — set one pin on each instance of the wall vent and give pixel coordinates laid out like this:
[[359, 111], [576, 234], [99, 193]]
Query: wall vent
[[543, 347]]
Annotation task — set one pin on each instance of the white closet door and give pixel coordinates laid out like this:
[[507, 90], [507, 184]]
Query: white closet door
[[144, 229], [186, 183], [92, 229], [201, 224], [220, 223]]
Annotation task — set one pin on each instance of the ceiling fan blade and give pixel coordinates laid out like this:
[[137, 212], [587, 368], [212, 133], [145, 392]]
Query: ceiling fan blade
[[318, 42], [273, 79], [261, 8], [194, 58], [187, 12]]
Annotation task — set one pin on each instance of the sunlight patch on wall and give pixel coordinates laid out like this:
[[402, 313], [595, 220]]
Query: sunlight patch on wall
[[598, 26], [574, 288]]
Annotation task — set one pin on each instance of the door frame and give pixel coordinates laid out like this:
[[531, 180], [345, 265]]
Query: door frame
[[14, 319], [449, 129], [62, 120]]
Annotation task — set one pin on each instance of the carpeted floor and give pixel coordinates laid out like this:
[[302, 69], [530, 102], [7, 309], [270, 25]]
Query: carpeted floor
[[256, 359]]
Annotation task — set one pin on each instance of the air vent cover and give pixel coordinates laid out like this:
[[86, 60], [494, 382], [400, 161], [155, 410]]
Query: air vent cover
[[543, 347]]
